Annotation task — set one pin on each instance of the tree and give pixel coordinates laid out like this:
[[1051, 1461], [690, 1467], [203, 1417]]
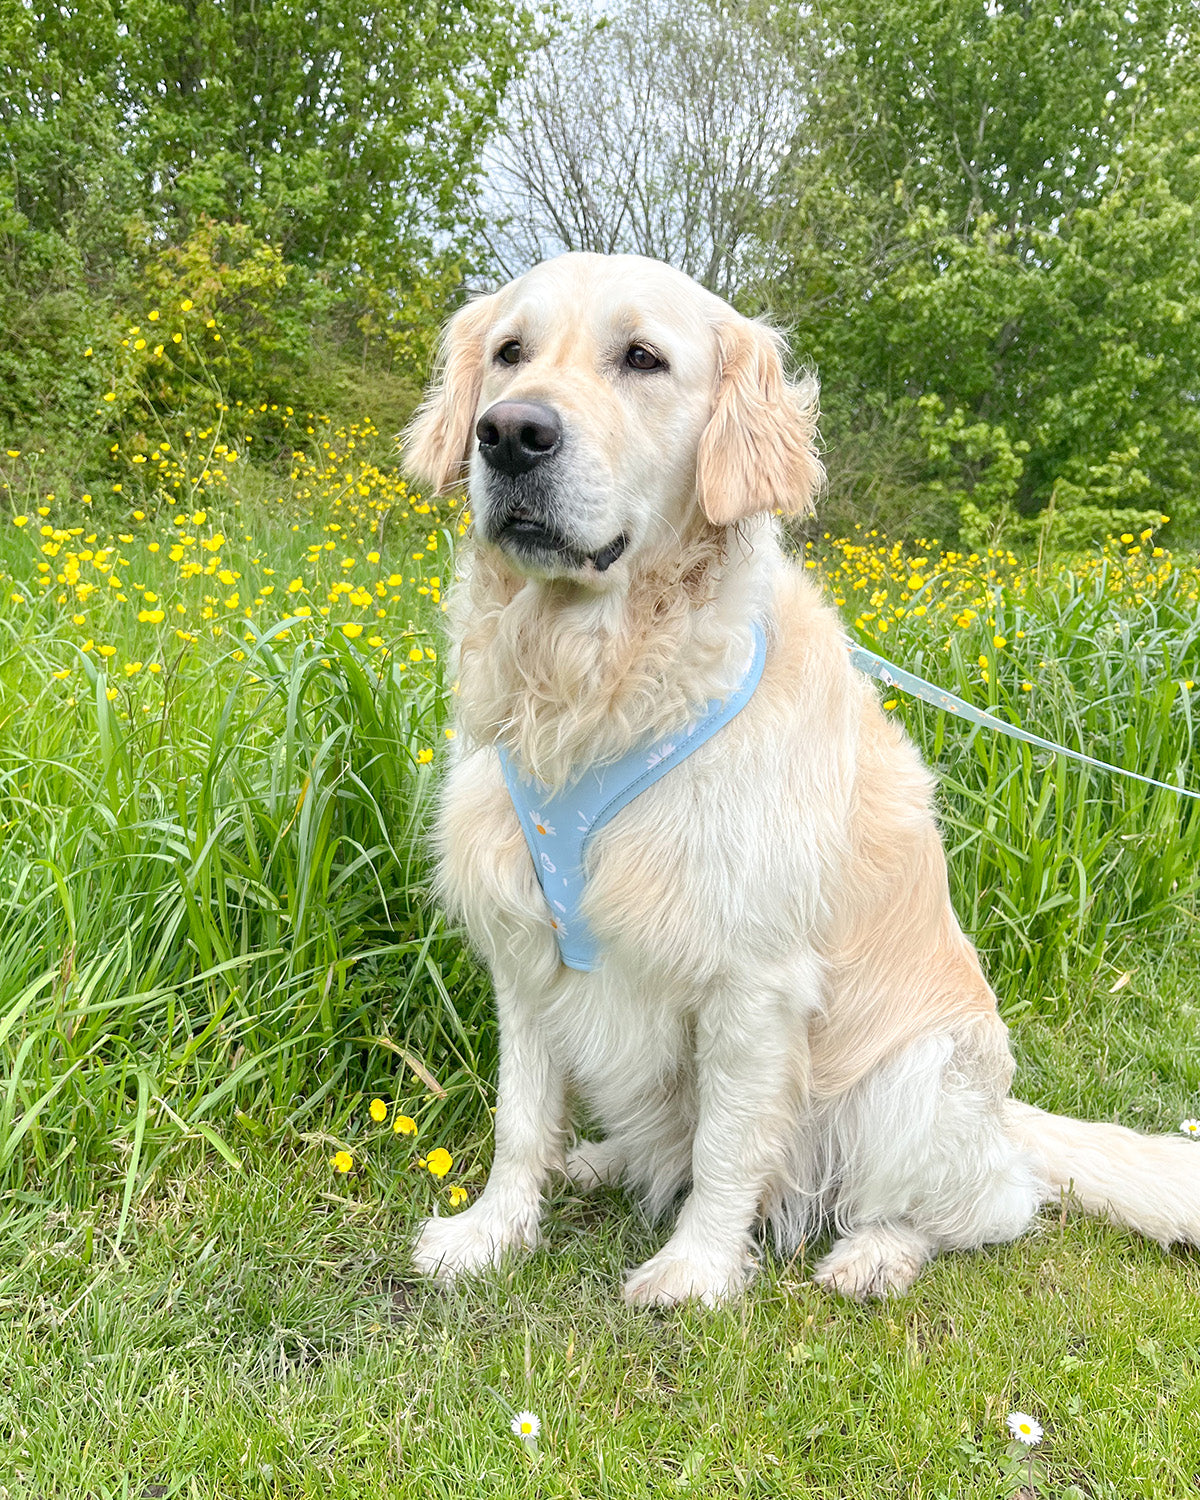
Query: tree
[[998, 219], [344, 136], [656, 129]]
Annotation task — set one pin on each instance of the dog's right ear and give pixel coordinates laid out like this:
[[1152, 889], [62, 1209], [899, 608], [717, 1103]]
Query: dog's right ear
[[436, 446]]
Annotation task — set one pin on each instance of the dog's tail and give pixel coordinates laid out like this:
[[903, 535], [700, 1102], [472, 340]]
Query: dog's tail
[[1150, 1183]]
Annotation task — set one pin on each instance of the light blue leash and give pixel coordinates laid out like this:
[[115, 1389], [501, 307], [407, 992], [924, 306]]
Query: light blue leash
[[893, 676]]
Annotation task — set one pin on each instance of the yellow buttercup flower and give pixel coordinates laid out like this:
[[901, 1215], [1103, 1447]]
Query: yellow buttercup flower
[[341, 1161], [378, 1111], [439, 1161], [404, 1125]]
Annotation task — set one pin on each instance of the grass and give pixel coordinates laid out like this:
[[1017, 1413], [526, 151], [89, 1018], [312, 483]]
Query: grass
[[222, 708], [213, 796], [259, 1336]]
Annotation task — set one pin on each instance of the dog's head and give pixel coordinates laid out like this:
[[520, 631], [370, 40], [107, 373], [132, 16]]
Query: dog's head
[[597, 401]]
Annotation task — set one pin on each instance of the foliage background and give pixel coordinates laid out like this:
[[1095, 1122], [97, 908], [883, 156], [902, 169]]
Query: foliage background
[[307, 173], [979, 223]]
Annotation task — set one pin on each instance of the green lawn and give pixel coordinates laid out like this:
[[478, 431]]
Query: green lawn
[[259, 1334]]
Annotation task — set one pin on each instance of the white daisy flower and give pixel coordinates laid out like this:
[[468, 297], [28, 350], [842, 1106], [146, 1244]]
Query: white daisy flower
[[526, 1425], [1191, 1127], [1024, 1428]]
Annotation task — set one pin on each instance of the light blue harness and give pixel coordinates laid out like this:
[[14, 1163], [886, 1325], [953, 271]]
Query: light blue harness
[[558, 826]]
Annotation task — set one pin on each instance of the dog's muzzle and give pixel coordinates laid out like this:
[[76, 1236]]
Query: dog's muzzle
[[516, 440], [525, 531]]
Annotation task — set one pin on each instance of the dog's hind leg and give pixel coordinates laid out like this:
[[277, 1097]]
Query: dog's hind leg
[[923, 1164], [595, 1164], [879, 1260]]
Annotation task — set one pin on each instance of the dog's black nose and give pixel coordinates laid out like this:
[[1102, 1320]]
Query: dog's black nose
[[516, 435]]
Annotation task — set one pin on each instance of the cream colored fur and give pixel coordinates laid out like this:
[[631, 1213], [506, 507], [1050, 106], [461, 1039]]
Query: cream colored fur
[[788, 1026]]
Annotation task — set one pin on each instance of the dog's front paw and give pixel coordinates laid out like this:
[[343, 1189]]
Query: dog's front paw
[[671, 1277], [470, 1241]]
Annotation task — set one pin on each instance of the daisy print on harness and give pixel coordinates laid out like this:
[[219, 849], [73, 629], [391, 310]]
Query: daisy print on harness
[[548, 872]]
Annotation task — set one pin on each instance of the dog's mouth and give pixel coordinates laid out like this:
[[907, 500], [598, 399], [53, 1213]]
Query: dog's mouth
[[536, 541], [604, 559]]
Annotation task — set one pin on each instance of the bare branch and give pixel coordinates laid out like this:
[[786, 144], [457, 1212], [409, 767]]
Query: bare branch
[[658, 129]]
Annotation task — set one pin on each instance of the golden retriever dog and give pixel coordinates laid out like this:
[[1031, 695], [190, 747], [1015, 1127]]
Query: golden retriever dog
[[785, 1026]]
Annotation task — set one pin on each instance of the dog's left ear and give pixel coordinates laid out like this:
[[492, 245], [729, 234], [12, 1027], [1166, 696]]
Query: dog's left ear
[[437, 445], [757, 452]]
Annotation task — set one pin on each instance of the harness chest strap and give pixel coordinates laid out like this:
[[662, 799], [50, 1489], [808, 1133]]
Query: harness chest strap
[[558, 826]]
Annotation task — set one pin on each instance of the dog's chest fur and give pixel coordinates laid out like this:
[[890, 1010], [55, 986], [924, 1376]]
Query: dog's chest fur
[[769, 850], [690, 887]]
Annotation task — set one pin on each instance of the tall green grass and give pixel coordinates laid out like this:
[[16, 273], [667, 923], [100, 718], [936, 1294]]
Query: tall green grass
[[1055, 865], [218, 913], [217, 920]]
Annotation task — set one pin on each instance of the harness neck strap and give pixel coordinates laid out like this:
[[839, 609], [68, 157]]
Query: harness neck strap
[[559, 826]]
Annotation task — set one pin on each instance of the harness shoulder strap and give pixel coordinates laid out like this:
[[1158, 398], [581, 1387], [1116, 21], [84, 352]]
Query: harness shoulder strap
[[559, 826]]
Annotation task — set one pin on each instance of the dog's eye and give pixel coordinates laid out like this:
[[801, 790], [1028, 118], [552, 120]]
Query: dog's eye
[[638, 357], [510, 353]]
